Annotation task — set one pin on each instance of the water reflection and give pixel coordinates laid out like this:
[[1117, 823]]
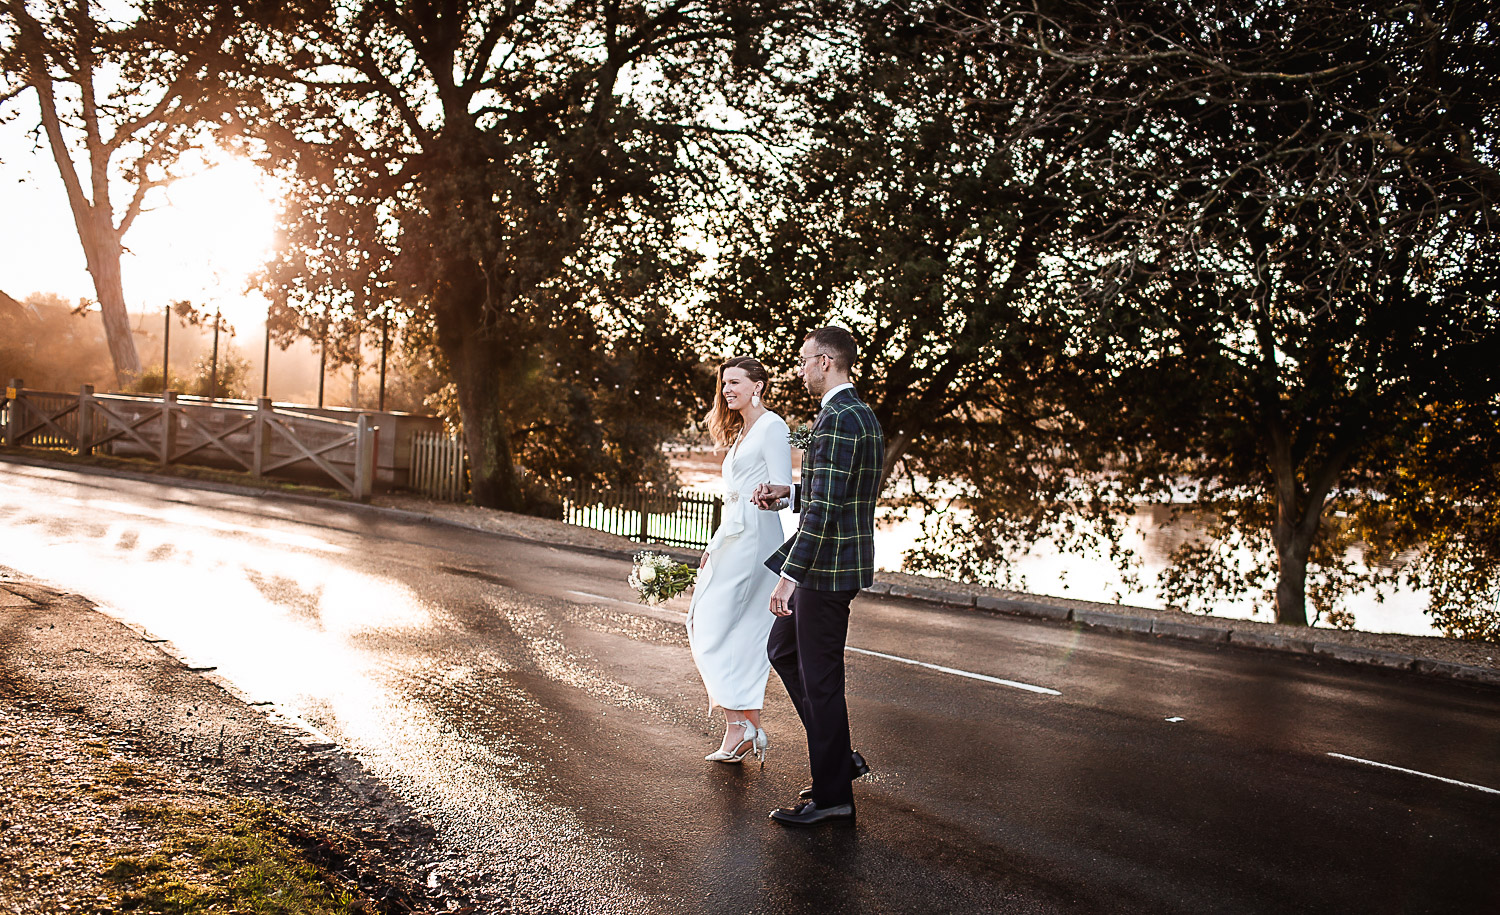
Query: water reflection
[[1151, 535]]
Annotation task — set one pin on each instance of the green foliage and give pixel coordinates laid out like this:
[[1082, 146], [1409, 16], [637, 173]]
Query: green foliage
[[1294, 285], [1439, 511], [55, 346], [229, 379], [1227, 253], [121, 95], [236, 859], [511, 181], [151, 381]]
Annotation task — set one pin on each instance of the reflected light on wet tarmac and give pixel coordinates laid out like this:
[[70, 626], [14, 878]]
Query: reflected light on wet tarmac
[[334, 639]]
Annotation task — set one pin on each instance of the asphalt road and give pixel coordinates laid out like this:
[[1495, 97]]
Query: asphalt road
[[555, 729]]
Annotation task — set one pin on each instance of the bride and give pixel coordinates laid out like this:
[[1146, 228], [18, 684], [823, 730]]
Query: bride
[[728, 622]]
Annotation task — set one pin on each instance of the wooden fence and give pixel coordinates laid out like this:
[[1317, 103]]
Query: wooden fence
[[264, 439], [261, 439], [439, 467]]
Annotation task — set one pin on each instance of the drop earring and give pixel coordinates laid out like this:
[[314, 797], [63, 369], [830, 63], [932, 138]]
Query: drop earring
[[755, 399]]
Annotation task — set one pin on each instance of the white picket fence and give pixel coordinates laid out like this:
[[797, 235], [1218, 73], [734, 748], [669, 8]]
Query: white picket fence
[[439, 467]]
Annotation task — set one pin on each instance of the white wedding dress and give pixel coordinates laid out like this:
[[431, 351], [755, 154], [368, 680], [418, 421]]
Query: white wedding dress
[[730, 615]]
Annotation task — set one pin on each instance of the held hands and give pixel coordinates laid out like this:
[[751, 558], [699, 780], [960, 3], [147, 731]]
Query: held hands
[[781, 598], [768, 497]]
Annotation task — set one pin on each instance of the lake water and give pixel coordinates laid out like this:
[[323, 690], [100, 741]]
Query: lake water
[[1152, 535]]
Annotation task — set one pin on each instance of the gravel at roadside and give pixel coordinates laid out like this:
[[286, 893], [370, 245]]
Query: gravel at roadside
[[129, 782]]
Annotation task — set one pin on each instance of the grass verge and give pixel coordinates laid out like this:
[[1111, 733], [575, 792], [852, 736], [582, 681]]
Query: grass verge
[[235, 857]]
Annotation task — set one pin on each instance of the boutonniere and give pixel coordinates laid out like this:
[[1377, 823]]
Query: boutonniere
[[802, 437]]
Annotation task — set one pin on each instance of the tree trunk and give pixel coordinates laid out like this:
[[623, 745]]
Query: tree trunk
[[482, 359], [94, 219], [493, 481], [1287, 530], [1299, 515], [1291, 574], [896, 446], [102, 252]]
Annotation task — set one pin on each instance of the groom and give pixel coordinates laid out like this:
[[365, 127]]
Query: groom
[[822, 568]]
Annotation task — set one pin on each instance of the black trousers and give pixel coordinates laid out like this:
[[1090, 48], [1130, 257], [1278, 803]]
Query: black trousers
[[807, 650]]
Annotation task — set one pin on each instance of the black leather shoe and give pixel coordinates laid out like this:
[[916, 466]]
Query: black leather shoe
[[809, 814], [856, 763]]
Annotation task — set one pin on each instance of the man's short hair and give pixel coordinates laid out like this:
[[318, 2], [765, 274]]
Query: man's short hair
[[838, 344]]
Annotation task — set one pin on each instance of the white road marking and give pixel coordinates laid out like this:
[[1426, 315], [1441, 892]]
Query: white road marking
[[613, 600], [958, 673], [1439, 778], [666, 616], [1176, 718], [889, 657]]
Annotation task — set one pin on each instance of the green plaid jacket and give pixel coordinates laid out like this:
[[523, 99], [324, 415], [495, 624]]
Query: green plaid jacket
[[834, 546]]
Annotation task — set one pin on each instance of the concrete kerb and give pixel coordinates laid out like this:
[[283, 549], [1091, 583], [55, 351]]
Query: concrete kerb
[[1251, 638], [1103, 620]]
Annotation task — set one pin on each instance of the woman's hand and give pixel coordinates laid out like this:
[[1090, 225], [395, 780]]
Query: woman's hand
[[766, 496]]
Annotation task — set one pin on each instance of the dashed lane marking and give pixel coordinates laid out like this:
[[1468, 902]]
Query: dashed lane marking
[[613, 600], [1436, 778], [1016, 684]]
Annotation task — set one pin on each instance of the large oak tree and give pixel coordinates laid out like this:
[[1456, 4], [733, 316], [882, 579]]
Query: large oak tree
[[1236, 252], [516, 178]]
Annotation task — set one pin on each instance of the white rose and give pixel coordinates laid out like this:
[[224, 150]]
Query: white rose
[[648, 573]]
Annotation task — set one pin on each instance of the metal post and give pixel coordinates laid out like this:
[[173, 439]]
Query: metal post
[[166, 349], [13, 415], [322, 363], [213, 373], [85, 437], [385, 346], [364, 457], [168, 426], [263, 413], [265, 363]]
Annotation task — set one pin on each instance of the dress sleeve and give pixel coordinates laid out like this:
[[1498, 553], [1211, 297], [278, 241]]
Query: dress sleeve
[[778, 453]]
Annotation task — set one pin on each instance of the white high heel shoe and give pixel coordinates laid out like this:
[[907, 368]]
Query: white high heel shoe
[[762, 741], [746, 746]]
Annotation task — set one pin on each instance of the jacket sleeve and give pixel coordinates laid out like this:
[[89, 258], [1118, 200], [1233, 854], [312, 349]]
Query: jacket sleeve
[[832, 458]]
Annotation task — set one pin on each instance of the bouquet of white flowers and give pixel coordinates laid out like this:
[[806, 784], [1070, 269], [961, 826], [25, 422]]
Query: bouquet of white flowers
[[657, 577], [802, 437]]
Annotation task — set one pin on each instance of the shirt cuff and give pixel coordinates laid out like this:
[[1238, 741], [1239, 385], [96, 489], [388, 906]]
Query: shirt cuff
[[790, 579]]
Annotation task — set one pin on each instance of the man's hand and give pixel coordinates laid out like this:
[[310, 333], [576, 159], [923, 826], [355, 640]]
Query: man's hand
[[781, 598], [767, 497]]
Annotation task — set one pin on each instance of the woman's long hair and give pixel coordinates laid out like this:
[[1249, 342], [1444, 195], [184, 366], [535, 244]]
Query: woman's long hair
[[724, 424]]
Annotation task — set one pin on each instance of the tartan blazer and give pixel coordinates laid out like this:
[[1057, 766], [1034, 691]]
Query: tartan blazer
[[834, 546]]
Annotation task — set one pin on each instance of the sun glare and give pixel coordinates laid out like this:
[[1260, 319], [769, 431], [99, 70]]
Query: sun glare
[[203, 237]]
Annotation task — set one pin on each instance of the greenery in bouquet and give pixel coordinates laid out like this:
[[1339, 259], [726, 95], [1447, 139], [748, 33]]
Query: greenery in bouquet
[[657, 577], [802, 437]]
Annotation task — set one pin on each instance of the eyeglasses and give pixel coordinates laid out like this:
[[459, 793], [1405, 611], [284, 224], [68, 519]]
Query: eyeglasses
[[802, 360]]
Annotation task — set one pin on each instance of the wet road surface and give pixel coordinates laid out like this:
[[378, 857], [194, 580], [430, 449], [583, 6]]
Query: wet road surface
[[555, 730]]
